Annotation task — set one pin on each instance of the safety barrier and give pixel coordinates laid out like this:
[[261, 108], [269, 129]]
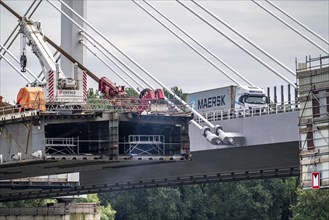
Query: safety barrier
[[62, 145], [313, 63], [121, 105], [146, 144], [10, 112], [219, 115]]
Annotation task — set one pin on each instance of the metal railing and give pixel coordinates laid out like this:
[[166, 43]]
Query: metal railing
[[146, 145], [12, 112], [62, 146], [11, 109], [140, 106], [226, 114], [312, 63]]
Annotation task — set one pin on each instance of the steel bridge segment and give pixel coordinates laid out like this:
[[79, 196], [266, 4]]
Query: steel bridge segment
[[93, 156], [45, 192], [253, 162], [260, 130], [242, 160], [67, 165], [272, 151]]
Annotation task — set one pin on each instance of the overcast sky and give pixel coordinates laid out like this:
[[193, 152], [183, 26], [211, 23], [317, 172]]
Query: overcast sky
[[166, 57]]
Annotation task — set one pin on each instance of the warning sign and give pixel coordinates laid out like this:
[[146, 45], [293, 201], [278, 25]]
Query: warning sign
[[315, 180]]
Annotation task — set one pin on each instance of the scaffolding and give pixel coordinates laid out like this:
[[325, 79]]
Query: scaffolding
[[65, 146], [146, 145], [313, 78]]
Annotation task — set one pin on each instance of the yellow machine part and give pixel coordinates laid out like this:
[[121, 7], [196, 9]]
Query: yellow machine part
[[31, 98]]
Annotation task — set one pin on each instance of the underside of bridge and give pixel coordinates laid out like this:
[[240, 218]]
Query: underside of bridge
[[230, 164]]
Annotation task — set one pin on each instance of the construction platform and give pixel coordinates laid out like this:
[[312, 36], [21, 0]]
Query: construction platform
[[53, 142]]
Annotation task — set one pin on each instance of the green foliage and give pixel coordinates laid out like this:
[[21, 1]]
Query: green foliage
[[91, 198], [91, 94], [131, 93], [240, 200], [257, 199], [27, 203], [311, 204], [128, 204], [179, 92], [106, 211]]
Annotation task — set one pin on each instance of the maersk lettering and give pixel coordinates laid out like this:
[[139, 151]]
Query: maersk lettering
[[211, 102]]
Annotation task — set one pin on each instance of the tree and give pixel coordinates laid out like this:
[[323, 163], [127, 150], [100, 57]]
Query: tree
[[177, 91], [128, 204], [91, 94], [311, 204], [106, 211], [131, 93], [27, 203], [163, 203], [254, 199]]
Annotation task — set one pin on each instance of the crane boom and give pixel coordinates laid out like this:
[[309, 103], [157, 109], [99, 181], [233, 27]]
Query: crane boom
[[58, 86], [72, 59], [32, 31]]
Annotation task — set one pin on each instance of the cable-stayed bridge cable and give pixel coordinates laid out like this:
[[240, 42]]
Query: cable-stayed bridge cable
[[190, 46], [112, 60], [245, 38], [129, 58], [292, 28], [98, 32], [105, 63], [298, 22], [17, 70], [28, 70], [15, 29], [238, 45], [194, 40], [87, 35]]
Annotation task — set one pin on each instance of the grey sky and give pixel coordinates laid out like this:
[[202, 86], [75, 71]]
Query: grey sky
[[168, 58]]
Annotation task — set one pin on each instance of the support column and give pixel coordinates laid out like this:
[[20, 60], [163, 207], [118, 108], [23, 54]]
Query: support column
[[114, 135], [70, 36]]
